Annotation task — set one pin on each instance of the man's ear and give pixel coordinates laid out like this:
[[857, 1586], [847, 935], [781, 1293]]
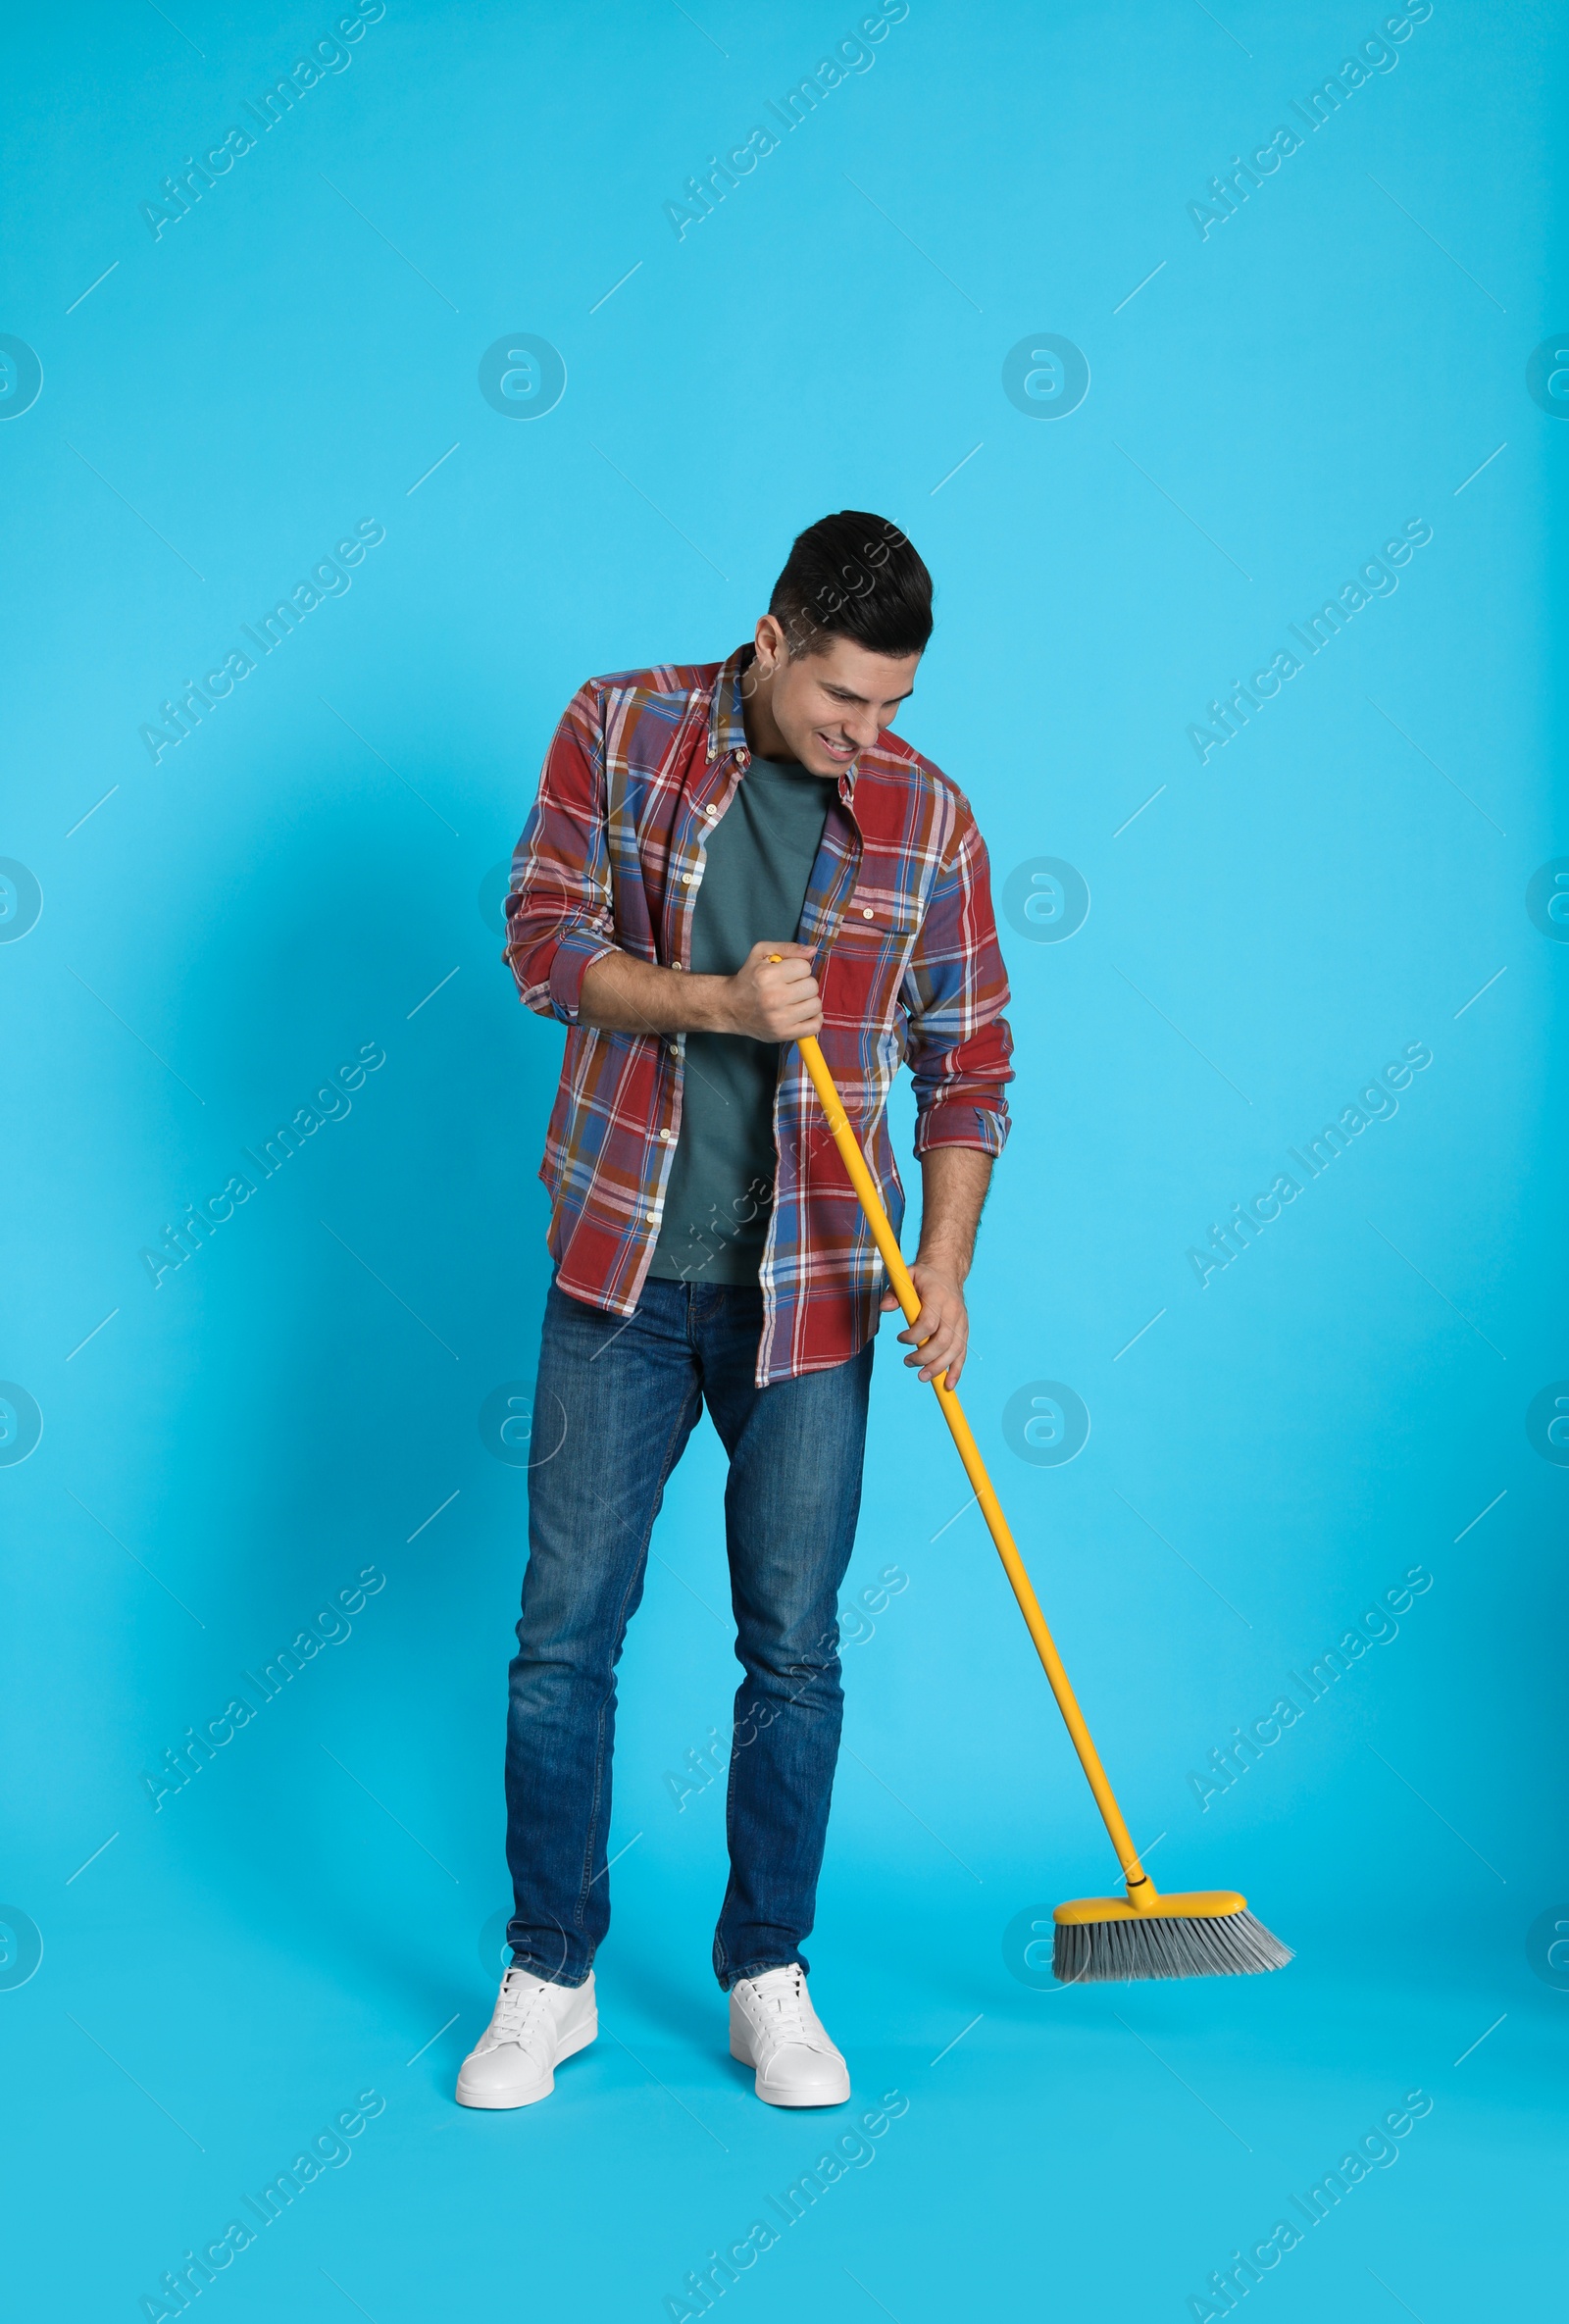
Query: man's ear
[[771, 646]]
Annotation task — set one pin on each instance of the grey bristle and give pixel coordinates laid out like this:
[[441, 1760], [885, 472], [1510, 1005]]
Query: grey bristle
[[1235, 1944]]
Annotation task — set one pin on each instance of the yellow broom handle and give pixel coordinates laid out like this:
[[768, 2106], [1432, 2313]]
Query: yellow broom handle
[[909, 1299]]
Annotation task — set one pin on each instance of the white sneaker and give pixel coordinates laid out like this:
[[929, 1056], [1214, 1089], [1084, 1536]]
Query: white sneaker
[[774, 2027], [534, 2026]]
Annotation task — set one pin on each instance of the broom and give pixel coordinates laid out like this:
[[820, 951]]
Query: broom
[[1207, 1933]]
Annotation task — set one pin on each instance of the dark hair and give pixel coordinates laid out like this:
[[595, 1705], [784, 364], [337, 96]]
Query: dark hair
[[853, 575]]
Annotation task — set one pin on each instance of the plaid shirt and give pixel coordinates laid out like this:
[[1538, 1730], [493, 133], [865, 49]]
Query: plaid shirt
[[898, 916]]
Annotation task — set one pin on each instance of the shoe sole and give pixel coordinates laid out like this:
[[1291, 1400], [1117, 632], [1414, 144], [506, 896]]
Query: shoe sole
[[502, 2101], [771, 2098]]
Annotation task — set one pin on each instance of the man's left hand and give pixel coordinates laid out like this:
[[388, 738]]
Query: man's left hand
[[940, 1332]]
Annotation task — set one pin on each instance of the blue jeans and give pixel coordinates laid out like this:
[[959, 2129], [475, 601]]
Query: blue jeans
[[621, 1399]]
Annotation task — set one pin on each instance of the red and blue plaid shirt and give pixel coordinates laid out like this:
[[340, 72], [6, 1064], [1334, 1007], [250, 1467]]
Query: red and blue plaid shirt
[[898, 917]]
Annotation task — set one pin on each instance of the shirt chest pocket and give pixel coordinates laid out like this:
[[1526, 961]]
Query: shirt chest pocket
[[868, 956]]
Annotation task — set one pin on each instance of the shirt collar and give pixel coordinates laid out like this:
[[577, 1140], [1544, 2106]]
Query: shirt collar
[[726, 727]]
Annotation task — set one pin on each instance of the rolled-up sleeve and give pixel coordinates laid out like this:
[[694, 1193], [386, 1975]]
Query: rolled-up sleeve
[[559, 919], [955, 990]]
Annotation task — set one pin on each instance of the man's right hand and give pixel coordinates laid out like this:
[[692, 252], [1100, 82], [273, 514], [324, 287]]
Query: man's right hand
[[773, 994], [771, 997]]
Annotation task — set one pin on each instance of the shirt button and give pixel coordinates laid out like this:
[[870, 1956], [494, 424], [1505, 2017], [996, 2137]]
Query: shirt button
[[666, 1133], [867, 912], [653, 1218], [711, 813], [685, 879]]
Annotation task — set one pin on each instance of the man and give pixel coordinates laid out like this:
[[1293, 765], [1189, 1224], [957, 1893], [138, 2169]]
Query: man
[[722, 859]]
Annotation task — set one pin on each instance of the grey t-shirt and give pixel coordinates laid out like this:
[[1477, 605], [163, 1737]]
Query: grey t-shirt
[[758, 867]]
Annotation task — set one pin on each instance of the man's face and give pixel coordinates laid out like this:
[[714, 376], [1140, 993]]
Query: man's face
[[830, 705]]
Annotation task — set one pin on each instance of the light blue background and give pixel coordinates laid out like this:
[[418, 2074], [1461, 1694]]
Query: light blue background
[[293, 879]]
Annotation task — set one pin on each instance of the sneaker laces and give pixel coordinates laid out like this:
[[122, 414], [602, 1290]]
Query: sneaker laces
[[517, 2007], [785, 2014]]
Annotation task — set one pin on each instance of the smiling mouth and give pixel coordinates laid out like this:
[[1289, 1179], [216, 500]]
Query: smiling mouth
[[837, 749]]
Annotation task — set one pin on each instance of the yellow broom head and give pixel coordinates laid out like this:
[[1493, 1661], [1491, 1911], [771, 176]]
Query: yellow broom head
[[1207, 1933]]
